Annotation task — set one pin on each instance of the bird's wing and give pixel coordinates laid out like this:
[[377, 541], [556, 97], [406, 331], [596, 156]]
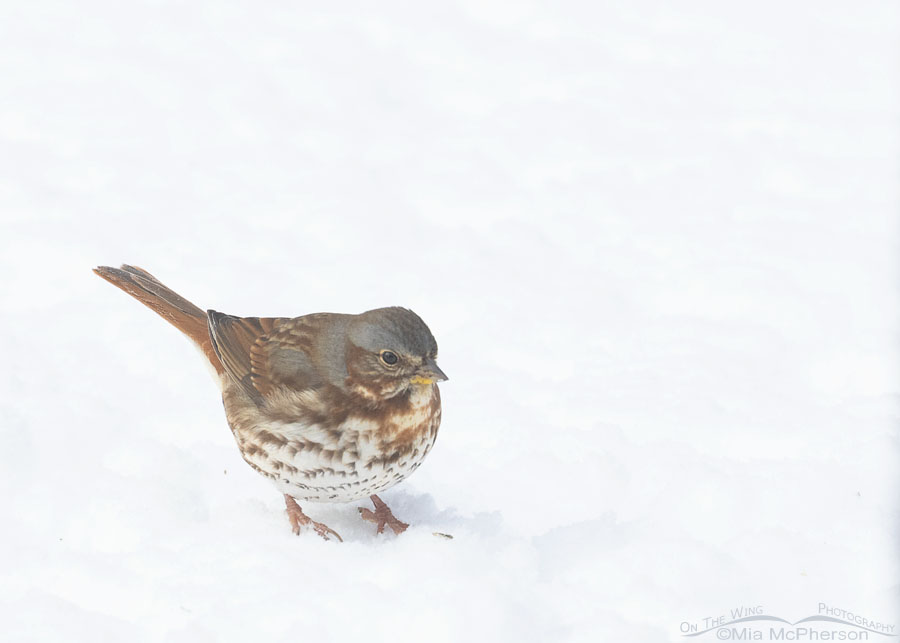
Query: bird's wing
[[263, 353]]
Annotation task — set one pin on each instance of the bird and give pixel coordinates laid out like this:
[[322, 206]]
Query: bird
[[330, 407]]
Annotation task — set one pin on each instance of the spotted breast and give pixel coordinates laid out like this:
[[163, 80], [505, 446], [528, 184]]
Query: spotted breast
[[322, 445]]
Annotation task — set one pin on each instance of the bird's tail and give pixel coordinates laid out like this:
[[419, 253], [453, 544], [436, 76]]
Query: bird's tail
[[168, 304]]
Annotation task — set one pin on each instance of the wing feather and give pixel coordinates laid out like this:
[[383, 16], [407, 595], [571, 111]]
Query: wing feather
[[263, 353]]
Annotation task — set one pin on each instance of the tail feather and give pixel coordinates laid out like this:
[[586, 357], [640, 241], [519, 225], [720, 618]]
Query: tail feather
[[168, 304]]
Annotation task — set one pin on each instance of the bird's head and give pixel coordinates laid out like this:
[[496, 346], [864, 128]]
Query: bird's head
[[391, 351]]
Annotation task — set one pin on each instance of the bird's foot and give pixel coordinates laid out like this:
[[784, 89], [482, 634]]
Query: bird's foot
[[298, 518], [382, 516]]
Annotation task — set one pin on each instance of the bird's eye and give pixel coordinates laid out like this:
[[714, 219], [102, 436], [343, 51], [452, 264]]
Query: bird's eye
[[389, 358]]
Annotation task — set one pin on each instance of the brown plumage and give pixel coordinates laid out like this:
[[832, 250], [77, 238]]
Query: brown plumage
[[168, 304], [330, 407]]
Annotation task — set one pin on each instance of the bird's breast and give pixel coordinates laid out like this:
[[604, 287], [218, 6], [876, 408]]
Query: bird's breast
[[359, 452]]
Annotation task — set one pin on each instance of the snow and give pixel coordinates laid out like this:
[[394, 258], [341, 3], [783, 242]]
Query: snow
[[656, 243]]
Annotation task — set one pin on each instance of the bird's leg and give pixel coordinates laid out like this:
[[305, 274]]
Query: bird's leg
[[298, 518], [382, 516]]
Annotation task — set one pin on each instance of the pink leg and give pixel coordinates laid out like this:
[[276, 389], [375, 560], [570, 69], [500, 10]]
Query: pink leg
[[298, 518], [382, 516]]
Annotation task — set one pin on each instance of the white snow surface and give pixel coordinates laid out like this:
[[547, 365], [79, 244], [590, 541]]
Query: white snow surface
[[657, 244]]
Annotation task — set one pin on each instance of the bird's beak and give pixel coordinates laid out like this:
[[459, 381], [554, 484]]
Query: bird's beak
[[429, 373]]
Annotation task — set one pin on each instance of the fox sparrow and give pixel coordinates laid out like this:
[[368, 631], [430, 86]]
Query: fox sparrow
[[329, 407]]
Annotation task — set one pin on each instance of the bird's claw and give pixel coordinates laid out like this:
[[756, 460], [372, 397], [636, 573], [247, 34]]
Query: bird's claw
[[298, 518], [382, 517]]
